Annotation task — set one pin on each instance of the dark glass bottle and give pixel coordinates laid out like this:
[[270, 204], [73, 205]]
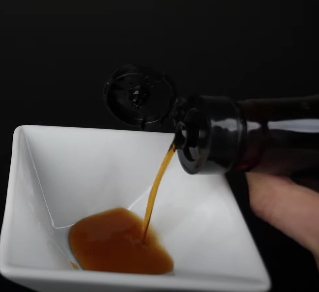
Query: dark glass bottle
[[275, 136], [215, 134]]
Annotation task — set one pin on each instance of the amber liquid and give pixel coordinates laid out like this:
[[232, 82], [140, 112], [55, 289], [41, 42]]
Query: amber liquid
[[119, 241], [153, 193], [112, 242]]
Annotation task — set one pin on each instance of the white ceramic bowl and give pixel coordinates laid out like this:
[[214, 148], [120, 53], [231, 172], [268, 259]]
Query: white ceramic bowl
[[60, 175]]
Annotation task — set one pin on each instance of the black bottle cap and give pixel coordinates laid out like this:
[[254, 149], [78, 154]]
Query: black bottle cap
[[209, 137], [140, 96]]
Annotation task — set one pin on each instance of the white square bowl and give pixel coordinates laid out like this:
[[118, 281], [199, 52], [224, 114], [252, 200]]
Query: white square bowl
[[60, 175]]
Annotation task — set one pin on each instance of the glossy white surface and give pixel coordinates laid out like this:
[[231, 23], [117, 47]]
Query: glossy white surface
[[61, 175]]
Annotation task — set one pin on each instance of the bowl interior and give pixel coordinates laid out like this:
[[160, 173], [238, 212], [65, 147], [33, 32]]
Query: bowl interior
[[61, 175]]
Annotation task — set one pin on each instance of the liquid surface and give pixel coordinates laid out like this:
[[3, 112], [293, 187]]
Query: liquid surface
[[113, 241], [153, 193], [74, 266]]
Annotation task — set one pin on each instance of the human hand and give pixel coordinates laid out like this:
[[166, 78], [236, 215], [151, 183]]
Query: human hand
[[291, 208]]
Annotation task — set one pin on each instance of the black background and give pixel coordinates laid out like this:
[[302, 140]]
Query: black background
[[55, 60]]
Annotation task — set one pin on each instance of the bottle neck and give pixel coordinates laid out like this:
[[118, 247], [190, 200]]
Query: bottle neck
[[209, 136]]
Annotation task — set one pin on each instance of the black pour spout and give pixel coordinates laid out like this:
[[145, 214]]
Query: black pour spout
[[140, 96]]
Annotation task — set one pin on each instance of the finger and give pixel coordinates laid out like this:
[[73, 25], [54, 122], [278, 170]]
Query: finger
[[291, 208]]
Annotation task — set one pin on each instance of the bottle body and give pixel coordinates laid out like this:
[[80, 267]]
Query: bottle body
[[275, 136], [281, 135]]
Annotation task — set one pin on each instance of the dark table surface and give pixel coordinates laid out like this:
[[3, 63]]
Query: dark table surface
[[55, 61]]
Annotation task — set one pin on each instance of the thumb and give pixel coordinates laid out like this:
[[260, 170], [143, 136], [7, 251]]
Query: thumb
[[289, 207]]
